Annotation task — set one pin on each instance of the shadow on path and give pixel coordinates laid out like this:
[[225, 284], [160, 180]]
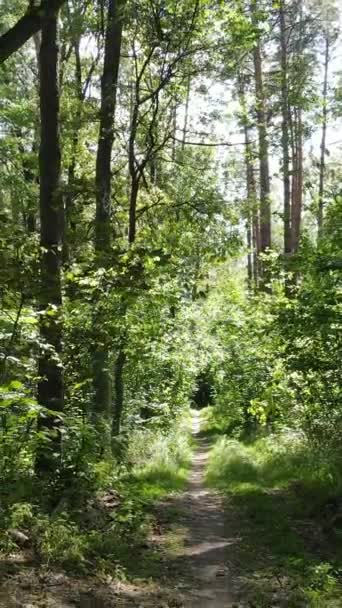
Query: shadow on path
[[199, 562]]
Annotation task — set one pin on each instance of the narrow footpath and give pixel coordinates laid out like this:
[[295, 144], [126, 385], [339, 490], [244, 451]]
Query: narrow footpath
[[201, 557], [193, 569]]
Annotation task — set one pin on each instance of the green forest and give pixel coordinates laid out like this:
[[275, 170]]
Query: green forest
[[170, 288]]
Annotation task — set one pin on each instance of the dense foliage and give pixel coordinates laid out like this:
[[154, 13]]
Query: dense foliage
[[170, 236]]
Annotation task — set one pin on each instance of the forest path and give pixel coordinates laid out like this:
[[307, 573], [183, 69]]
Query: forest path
[[191, 547], [199, 559]]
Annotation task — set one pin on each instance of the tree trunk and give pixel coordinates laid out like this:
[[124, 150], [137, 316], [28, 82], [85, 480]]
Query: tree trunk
[[51, 386], [69, 198], [256, 245], [186, 115], [109, 81], [133, 173], [320, 215], [174, 132], [12, 40], [265, 199], [251, 224], [119, 391], [249, 253], [265, 202], [133, 210], [285, 130], [297, 189]]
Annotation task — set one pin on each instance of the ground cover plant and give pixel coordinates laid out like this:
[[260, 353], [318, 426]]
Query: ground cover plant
[[171, 229], [284, 504]]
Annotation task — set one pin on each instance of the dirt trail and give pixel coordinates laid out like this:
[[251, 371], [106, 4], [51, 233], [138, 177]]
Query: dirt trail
[[201, 558], [192, 568]]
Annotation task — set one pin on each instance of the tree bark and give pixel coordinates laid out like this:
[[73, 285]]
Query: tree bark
[[133, 172], [109, 83], [256, 245], [320, 214], [26, 27], [119, 391], [265, 202], [70, 195], [285, 130], [249, 253], [252, 225], [186, 114], [102, 379], [51, 385], [133, 211], [297, 188]]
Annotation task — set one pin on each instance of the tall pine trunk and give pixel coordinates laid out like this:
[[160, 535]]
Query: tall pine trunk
[[285, 129], [50, 387], [320, 214], [265, 202], [297, 181], [252, 224]]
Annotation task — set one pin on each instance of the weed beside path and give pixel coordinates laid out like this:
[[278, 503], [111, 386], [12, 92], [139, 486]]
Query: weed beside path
[[281, 553], [97, 551]]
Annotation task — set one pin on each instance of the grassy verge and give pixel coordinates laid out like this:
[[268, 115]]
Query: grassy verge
[[280, 496], [106, 532]]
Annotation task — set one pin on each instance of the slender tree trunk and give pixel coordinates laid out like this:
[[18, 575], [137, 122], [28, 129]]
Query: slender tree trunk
[[265, 202], [133, 210], [253, 230], [250, 253], [119, 391], [297, 189], [297, 156], [109, 81], [51, 386], [256, 245], [133, 172], [186, 115], [174, 132], [320, 215], [251, 224], [285, 129], [69, 198]]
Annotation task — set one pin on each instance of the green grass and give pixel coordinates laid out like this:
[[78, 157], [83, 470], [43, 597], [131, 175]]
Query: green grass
[[114, 543], [277, 489], [164, 467], [212, 424]]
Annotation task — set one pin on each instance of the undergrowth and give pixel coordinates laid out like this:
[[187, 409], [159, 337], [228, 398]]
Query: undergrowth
[[86, 534], [280, 496]]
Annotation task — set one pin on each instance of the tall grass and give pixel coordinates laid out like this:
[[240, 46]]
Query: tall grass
[[82, 536], [277, 461], [279, 489], [161, 461]]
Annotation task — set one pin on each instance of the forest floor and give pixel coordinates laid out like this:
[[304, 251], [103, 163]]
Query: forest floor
[[209, 549], [185, 567]]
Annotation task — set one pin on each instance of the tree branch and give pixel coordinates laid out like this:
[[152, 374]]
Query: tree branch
[[208, 144], [28, 25]]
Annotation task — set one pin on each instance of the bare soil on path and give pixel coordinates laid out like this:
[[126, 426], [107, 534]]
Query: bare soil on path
[[191, 545], [199, 558]]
